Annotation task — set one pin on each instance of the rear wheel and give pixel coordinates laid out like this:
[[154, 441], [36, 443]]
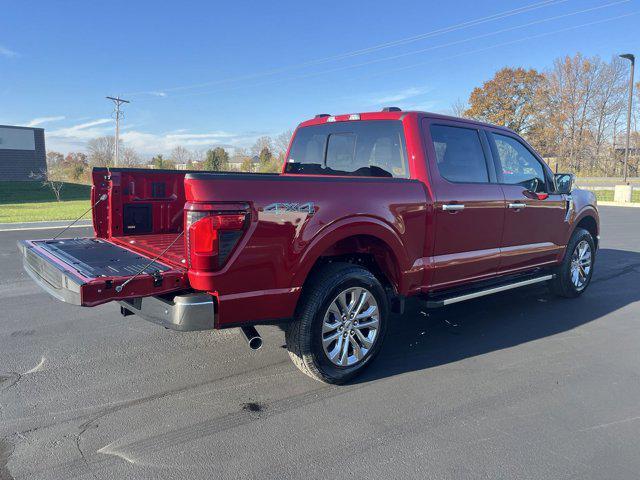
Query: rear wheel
[[574, 274], [340, 323]]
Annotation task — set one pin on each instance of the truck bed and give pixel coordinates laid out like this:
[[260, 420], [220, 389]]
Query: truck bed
[[153, 245]]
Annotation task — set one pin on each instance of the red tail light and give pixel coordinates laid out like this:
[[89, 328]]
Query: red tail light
[[211, 238]]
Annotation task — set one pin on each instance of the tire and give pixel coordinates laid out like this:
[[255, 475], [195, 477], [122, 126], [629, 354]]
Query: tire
[[567, 283], [319, 311]]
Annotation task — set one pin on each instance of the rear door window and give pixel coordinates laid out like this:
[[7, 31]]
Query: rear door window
[[459, 154], [374, 148]]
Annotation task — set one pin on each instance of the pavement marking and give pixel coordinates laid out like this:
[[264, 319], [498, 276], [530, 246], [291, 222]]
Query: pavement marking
[[106, 450], [605, 425], [37, 368]]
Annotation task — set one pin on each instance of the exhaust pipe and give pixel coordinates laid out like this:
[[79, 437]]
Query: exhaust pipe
[[252, 337]]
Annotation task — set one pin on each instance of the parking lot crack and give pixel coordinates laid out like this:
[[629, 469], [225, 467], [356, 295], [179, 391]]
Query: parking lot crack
[[6, 449]]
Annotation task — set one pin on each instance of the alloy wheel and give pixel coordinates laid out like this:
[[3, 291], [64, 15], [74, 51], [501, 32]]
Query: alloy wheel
[[581, 261], [350, 326]]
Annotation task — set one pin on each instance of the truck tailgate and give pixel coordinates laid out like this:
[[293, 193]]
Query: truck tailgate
[[87, 271]]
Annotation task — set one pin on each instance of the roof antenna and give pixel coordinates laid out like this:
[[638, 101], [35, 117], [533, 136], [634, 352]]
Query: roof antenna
[[102, 197]]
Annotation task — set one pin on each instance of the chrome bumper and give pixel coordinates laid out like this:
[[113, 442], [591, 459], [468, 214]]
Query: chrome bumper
[[191, 311]]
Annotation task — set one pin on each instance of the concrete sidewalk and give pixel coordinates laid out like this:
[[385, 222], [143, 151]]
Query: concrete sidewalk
[[11, 227]]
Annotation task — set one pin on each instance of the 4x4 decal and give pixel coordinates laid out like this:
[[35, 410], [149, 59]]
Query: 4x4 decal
[[285, 207]]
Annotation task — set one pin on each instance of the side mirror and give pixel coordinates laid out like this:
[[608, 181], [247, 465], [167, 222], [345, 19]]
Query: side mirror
[[564, 182]]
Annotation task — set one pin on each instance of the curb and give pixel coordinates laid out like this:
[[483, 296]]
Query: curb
[[12, 227], [618, 204]]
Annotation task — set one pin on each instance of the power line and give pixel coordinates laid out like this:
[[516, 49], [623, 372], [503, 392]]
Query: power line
[[118, 115], [374, 48], [431, 48]]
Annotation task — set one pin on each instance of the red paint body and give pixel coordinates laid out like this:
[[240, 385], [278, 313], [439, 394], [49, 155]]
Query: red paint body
[[400, 223]]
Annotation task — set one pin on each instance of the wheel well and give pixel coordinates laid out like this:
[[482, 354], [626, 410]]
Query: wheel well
[[589, 224], [367, 251]]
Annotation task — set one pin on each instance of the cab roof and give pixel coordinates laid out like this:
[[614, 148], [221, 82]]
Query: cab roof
[[391, 115]]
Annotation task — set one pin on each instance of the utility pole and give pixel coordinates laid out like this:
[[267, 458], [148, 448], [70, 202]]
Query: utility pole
[[117, 101], [632, 59]]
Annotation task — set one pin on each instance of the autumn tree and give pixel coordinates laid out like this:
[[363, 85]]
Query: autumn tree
[[508, 99], [74, 166]]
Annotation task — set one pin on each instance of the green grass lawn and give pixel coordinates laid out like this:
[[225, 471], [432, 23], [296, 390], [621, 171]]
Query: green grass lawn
[[607, 195], [33, 202]]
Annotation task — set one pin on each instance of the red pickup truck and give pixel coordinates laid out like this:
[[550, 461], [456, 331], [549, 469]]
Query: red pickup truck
[[369, 209]]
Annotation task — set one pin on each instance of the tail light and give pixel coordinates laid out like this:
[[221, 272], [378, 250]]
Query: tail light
[[211, 237]]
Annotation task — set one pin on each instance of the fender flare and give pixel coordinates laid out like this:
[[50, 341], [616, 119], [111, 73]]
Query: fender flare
[[350, 227]]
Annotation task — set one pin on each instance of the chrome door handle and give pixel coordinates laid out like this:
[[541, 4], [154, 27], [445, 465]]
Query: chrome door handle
[[452, 207], [517, 206]]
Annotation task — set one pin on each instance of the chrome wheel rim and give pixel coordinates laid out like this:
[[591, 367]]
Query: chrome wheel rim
[[350, 327], [581, 261]]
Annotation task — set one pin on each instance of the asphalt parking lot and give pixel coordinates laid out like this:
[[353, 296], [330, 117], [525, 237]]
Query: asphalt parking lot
[[517, 385]]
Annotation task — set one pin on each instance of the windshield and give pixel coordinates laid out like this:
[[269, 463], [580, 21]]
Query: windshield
[[374, 148]]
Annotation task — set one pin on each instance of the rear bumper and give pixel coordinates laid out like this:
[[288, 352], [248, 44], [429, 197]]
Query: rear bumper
[[188, 312]]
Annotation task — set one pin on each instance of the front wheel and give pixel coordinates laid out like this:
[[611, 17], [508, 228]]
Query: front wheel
[[340, 324], [574, 273]]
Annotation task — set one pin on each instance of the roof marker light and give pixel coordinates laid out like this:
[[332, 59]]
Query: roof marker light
[[354, 116], [331, 119]]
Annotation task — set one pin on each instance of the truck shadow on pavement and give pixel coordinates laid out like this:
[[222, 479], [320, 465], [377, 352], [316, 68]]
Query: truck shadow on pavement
[[422, 339]]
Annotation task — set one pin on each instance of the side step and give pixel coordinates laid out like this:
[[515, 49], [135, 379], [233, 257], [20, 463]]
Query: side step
[[448, 298]]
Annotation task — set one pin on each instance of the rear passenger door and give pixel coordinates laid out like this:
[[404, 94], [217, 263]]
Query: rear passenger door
[[469, 204], [535, 213]]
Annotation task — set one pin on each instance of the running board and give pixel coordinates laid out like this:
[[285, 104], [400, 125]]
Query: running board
[[441, 302]]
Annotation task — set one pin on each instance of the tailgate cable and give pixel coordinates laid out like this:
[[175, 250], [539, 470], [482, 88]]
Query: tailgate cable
[[102, 197], [119, 288]]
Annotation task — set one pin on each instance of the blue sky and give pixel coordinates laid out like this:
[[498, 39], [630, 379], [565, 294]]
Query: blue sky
[[201, 72]]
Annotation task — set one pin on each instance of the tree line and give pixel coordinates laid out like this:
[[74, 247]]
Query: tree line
[[574, 113], [265, 155]]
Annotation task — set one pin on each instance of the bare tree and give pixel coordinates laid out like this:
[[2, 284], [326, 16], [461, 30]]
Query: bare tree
[[50, 178], [181, 155], [260, 144], [459, 108], [101, 151], [129, 158], [54, 158], [281, 142]]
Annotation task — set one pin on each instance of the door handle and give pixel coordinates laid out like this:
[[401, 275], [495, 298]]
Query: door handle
[[452, 207], [517, 206]]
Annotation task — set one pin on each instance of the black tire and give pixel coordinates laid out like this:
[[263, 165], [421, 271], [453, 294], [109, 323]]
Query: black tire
[[304, 335], [562, 284]]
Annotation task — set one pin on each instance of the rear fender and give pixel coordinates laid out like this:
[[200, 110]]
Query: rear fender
[[346, 228]]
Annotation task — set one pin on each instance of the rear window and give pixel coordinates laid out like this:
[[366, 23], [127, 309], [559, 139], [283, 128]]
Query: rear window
[[374, 148], [459, 154]]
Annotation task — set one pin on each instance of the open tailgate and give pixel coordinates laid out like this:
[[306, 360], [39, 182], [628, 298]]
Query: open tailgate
[[87, 271]]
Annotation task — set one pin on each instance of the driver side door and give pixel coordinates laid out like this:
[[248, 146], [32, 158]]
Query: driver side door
[[534, 213]]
